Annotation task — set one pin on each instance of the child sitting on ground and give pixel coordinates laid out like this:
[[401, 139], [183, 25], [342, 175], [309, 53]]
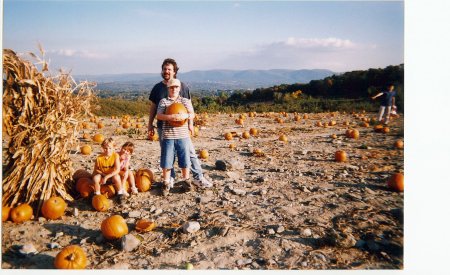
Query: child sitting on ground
[[125, 173], [107, 167], [175, 139]]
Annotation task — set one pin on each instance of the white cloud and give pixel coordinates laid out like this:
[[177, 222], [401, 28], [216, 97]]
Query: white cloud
[[330, 42], [78, 53], [307, 53], [236, 5]]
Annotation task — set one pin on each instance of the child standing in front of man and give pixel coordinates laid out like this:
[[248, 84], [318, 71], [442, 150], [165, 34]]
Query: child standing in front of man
[[175, 139], [107, 167], [125, 173]]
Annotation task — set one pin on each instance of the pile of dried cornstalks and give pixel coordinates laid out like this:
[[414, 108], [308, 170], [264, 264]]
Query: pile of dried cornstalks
[[41, 116]]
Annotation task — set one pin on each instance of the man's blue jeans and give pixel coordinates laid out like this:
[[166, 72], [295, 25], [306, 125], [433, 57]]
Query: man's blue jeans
[[196, 168]]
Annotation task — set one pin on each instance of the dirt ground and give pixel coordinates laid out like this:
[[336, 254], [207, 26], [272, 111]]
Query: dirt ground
[[292, 207]]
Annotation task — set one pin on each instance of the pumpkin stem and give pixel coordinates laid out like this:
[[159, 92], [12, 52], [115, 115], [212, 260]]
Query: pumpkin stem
[[70, 257]]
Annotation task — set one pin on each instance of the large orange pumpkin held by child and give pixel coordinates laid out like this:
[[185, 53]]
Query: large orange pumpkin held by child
[[176, 108]]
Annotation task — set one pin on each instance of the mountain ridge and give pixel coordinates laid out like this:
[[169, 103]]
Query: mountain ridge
[[210, 79]]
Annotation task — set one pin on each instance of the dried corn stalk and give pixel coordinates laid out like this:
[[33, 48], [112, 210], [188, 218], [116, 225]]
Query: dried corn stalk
[[40, 121]]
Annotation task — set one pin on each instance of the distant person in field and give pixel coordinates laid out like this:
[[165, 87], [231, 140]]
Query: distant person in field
[[169, 69], [107, 167], [388, 102], [175, 139], [125, 173]]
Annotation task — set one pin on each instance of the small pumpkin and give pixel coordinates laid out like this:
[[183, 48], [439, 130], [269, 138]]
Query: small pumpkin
[[297, 118], [245, 135], [232, 146], [352, 133], [21, 213], [305, 116], [100, 203], [378, 128], [53, 208], [86, 136], [203, 154], [279, 120], [71, 257], [332, 123], [86, 150], [396, 182], [340, 156], [85, 186], [144, 178], [253, 131], [398, 144], [107, 190], [144, 225], [114, 227], [228, 136], [386, 130], [100, 125], [319, 124], [239, 121], [333, 136], [154, 137], [283, 138], [99, 138], [6, 210]]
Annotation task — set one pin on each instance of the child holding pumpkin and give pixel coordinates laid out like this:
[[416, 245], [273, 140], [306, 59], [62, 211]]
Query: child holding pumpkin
[[175, 139], [125, 173], [107, 167]]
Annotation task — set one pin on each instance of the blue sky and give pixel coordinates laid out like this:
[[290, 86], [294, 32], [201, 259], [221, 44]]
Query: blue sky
[[98, 37]]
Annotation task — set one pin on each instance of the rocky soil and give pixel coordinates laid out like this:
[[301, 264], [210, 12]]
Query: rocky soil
[[291, 207]]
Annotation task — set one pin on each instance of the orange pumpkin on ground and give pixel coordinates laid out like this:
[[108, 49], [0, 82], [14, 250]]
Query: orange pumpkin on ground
[[144, 179], [352, 133], [253, 131], [86, 150], [232, 146], [144, 225], [114, 227], [53, 208], [100, 203], [333, 136], [239, 121], [84, 186], [176, 108], [396, 182], [340, 156], [398, 144], [21, 213], [378, 128], [71, 257], [203, 154], [386, 130], [283, 138], [99, 138], [246, 135], [228, 136], [108, 190], [5, 213]]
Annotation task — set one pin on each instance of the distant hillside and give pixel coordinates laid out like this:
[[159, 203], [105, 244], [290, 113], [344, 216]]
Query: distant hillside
[[207, 80]]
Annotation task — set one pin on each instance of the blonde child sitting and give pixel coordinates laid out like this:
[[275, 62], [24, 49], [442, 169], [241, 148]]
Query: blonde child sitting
[[107, 167], [125, 173]]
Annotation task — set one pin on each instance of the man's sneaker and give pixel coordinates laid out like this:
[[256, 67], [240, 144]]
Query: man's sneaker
[[165, 188], [187, 185], [202, 182]]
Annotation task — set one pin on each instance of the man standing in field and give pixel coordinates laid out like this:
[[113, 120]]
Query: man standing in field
[[169, 70]]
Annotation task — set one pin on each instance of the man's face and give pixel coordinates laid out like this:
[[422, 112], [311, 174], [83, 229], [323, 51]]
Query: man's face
[[168, 72]]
